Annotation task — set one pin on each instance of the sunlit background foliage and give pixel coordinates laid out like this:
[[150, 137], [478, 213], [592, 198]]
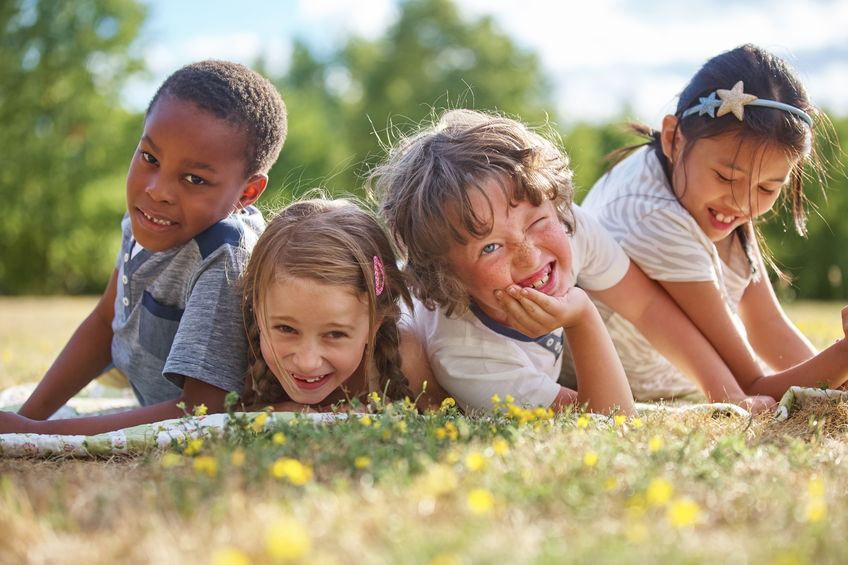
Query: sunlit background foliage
[[67, 141]]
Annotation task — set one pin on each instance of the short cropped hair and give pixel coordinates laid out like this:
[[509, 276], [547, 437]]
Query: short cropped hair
[[240, 96]]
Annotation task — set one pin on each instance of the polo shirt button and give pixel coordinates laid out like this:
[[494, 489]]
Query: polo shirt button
[[126, 257], [125, 279], [126, 301]]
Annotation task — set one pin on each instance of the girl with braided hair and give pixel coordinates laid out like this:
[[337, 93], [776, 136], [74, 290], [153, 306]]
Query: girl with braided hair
[[321, 304]]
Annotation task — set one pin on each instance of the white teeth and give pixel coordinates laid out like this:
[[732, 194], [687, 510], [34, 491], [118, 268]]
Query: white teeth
[[157, 220], [723, 219], [541, 282]]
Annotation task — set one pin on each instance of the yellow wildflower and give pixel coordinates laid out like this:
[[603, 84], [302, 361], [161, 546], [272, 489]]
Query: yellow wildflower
[[296, 472], [500, 446], [441, 433], [286, 539], [237, 457], [171, 459], [401, 426], [655, 443], [374, 397], [200, 410], [583, 421], [366, 420], [637, 422], [590, 459], [362, 462], [683, 513], [816, 510], [448, 402], [206, 465], [193, 446], [230, 556], [279, 438], [509, 399], [480, 501], [658, 492], [438, 479], [619, 419], [475, 461], [496, 399], [610, 483], [259, 422], [815, 487]]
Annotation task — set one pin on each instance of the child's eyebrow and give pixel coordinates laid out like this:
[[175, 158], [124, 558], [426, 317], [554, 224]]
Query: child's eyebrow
[[188, 164]]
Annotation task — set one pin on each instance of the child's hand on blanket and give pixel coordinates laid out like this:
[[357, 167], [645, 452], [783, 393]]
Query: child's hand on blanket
[[534, 313], [755, 404], [14, 423]]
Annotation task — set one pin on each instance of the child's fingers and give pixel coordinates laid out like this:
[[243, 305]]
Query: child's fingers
[[530, 317]]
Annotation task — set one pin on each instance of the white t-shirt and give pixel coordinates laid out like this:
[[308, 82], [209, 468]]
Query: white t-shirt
[[474, 357], [635, 203]]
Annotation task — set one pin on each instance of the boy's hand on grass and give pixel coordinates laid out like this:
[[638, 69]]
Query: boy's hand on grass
[[534, 313]]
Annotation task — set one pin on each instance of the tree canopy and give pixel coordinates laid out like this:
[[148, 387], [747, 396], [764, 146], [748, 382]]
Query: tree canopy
[[67, 142]]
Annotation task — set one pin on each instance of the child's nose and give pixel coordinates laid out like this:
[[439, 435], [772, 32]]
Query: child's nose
[[159, 189], [525, 253], [307, 358]]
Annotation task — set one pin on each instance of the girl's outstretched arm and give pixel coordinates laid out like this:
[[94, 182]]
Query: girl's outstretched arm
[[648, 307]]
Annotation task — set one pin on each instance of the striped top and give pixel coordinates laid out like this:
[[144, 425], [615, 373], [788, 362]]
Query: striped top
[[635, 203]]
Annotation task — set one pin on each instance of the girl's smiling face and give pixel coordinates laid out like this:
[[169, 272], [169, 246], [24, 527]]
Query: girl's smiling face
[[314, 337], [527, 246], [725, 181]]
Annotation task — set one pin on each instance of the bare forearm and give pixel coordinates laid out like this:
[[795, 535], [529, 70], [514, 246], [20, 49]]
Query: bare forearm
[[86, 355], [601, 381], [829, 368]]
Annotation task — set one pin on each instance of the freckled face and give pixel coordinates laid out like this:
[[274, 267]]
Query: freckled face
[[315, 337], [187, 173], [527, 247], [724, 183]]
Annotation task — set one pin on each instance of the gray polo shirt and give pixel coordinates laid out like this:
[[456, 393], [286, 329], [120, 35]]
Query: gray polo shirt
[[178, 312]]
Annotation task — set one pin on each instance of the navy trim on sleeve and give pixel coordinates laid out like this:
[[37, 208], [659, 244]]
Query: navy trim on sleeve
[[550, 341], [226, 232]]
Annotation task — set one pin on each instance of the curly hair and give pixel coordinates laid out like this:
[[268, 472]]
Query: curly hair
[[333, 242], [240, 96], [425, 182]]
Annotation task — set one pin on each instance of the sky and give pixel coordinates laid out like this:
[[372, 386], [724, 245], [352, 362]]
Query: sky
[[600, 55]]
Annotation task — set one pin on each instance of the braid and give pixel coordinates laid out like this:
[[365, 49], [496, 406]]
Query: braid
[[387, 359], [266, 387]]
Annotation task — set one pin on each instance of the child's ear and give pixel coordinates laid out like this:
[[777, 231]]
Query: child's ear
[[671, 138], [253, 190]]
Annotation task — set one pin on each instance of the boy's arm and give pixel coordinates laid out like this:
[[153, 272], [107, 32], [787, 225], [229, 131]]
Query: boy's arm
[[84, 357], [647, 306], [601, 382], [195, 393]]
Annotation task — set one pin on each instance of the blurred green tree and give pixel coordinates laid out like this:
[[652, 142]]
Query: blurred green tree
[[432, 58], [62, 65]]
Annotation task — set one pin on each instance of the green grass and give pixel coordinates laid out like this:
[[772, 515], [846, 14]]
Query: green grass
[[400, 488]]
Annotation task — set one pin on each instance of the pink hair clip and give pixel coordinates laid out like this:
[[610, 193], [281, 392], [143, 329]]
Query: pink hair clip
[[379, 276]]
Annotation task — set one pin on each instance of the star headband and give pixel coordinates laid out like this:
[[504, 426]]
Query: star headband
[[735, 100]]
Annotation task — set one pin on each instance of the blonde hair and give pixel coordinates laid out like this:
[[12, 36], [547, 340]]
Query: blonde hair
[[333, 242], [426, 179]]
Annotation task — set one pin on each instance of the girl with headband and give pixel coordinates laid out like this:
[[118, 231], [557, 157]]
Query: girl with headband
[[684, 208]]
